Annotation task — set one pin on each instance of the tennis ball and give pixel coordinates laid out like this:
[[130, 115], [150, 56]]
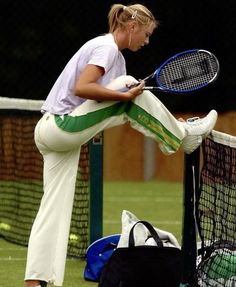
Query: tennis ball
[[73, 237], [5, 226]]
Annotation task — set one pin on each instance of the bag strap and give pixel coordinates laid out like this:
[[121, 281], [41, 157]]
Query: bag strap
[[150, 229]]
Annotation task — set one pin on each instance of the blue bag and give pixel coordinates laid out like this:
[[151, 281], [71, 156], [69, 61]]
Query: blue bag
[[97, 255]]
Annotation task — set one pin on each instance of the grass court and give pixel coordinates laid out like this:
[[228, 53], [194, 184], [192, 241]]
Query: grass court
[[160, 203]]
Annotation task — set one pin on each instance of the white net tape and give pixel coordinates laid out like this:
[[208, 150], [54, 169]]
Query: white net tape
[[223, 138], [20, 104]]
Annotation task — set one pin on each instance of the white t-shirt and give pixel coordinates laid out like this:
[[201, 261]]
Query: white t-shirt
[[101, 51]]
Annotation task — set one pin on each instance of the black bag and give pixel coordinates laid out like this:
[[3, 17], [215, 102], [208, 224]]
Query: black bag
[[143, 266]]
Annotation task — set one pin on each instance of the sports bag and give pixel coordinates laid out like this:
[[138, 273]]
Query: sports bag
[[141, 266]]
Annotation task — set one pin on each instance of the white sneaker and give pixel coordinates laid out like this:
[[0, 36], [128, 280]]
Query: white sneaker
[[197, 129], [201, 127]]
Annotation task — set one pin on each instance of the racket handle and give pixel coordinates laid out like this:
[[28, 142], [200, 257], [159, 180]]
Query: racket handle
[[150, 88]]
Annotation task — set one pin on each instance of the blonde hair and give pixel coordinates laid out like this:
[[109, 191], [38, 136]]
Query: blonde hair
[[119, 15]]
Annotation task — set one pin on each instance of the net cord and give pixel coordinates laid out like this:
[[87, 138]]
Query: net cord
[[223, 138], [20, 104]]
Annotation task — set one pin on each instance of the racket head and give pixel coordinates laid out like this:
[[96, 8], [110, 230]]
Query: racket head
[[187, 71]]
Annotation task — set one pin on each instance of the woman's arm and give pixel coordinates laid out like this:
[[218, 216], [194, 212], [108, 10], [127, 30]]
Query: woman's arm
[[87, 87]]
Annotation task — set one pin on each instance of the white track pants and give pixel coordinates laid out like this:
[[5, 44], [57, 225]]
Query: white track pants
[[59, 139]]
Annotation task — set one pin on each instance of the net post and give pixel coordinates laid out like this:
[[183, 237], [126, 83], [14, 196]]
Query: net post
[[189, 244], [96, 188]]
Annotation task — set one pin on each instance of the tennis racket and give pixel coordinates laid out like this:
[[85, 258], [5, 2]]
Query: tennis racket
[[185, 72]]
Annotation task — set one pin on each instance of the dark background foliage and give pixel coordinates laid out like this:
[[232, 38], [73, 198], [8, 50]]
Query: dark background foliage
[[38, 38]]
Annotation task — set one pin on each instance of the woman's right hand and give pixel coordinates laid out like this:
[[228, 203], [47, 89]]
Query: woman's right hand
[[134, 91]]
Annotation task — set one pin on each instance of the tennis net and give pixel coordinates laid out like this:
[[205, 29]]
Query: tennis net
[[21, 185], [216, 212]]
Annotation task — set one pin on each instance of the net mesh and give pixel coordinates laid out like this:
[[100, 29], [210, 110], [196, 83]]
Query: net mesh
[[21, 186], [216, 212]]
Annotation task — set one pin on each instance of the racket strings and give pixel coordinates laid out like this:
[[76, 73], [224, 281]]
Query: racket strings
[[188, 72]]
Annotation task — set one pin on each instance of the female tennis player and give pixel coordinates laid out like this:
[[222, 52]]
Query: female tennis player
[[87, 98]]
